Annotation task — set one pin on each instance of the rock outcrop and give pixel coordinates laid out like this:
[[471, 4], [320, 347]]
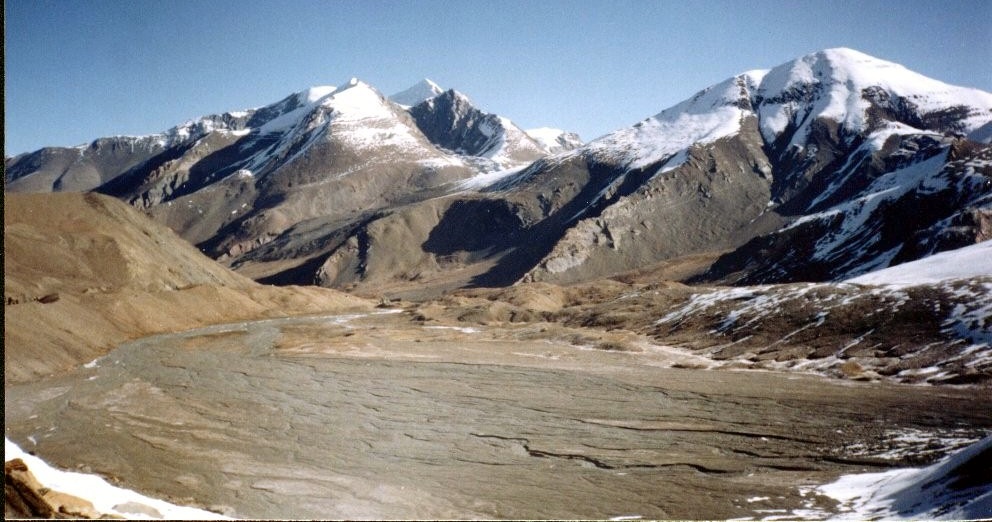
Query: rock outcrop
[[25, 497]]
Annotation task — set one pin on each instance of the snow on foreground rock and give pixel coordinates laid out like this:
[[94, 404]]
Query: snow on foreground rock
[[107, 499], [970, 261], [952, 287], [971, 319], [958, 487]]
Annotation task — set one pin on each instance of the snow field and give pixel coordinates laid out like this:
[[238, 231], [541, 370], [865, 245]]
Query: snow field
[[915, 493]]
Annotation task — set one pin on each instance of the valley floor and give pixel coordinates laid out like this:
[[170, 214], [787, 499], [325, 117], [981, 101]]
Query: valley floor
[[375, 415]]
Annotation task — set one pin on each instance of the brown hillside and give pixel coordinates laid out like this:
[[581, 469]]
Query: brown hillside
[[84, 272]]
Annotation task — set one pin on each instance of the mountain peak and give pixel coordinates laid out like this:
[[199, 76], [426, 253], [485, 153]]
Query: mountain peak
[[352, 83], [845, 52], [314, 93], [427, 82], [422, 90], [841, 84]]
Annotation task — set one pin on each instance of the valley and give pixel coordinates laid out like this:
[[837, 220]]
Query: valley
[[373, 415], [356, 306]]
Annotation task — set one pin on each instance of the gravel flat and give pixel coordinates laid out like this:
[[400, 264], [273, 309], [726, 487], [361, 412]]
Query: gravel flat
[[375, 416]]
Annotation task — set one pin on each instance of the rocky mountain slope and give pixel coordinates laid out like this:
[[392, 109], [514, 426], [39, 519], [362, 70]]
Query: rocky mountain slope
[[819, 154], [922, 321], [324, 158], [84, 272], [823, 168], [452, 122]]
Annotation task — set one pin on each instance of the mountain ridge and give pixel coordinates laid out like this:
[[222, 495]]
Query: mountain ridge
[[417, 93], [603, 202], [757, 165]]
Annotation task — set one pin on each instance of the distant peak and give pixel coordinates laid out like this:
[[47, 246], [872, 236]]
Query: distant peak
[[352, 83], [846, 52], [847, 58], [315, 93], [423, 90], [427, 82]]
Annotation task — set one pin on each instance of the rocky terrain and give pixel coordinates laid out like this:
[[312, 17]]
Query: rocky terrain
[[321, 160], [935, 332], [85, 272], [814, 170], [725, 311], [374, 416], [618, 398]]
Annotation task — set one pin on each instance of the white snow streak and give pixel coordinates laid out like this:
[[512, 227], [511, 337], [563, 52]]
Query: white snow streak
[[970, 261], [107, 499], [913, 493]]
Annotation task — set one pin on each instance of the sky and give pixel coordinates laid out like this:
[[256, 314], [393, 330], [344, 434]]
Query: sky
[[76, 70]]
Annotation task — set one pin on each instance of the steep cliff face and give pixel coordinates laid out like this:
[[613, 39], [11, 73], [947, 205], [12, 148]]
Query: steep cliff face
[[450, 121], [936, 197]]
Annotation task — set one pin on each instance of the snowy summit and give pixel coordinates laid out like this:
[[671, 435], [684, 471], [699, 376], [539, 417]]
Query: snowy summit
[[837, 84], [424, 90], [555, 140]]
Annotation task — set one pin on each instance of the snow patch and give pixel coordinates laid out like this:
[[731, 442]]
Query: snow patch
[[939, 491], [554, 140], [485, 180], [711, 114], [967, 262], [107, 499], [462, 329], [858, 212]]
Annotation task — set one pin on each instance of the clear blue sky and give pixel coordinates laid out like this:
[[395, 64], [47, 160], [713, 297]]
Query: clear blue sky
[[77, 70]]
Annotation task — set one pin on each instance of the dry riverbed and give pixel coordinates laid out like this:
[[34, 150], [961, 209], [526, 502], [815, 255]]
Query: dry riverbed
[[377, 416]]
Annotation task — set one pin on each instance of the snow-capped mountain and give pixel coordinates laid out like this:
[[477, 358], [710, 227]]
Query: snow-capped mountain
[[555, 140], [421, 91], [233, 181], [822, 168], [862, 96], [89, 166], [846, 143], [451, 121]]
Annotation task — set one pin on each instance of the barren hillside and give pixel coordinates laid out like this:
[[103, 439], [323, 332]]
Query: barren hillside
[[83, 273]]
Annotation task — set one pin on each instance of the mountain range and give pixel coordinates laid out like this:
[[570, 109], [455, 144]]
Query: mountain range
[[561, 309], [823, 168]]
